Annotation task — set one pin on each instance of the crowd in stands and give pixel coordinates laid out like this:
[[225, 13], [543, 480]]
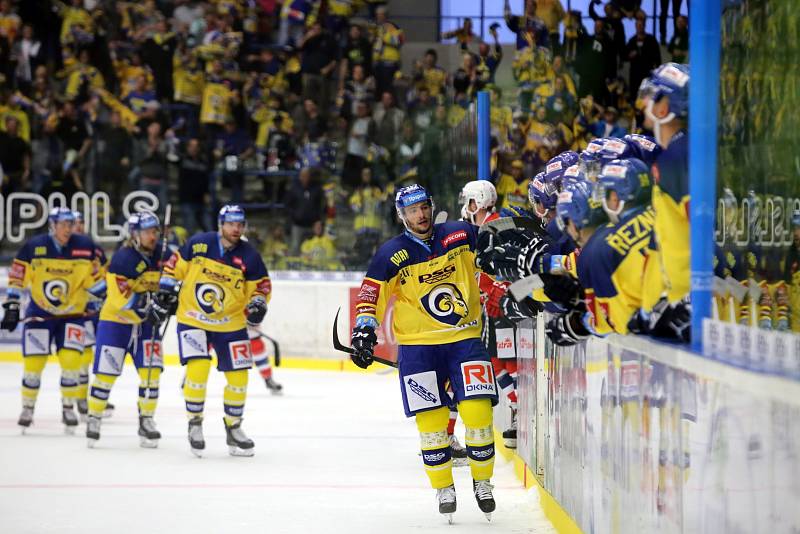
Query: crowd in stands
[[304, 102]]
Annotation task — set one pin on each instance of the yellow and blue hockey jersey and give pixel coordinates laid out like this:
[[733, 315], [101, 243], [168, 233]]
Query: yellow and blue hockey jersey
[[611, 268], [58, 277], [671, 205], [216, 284], [131, 275], [435, 285]]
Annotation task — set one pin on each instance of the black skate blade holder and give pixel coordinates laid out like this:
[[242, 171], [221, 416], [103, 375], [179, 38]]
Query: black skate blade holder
[[338, 345]]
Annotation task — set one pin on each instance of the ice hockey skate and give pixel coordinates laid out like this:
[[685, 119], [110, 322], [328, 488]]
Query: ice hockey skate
[[273, 387], [447, 502], [25, 418], [69, 418], [483, 494], [148, 434], [458, 453], [108, 411], [238, 442], [196, 441], [510, 435], [92, 430], [83, 409]]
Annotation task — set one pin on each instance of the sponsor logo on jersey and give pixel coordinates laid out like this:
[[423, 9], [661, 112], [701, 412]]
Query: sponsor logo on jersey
[[215, 276], [399, 257], [438, 275], [237, 261], [140, 267], [56, 291], [58, 272], [478, 378], [369, 292], [199, 248], [210, 297], [123, 285], [460, 235], [264, 286], [40, 251], [81, 253], [420, 390], [446, 304], [17, 271]]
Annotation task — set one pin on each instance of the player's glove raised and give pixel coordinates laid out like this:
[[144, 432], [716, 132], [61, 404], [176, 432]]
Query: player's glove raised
[[564, 290], [511, 254], [518, 311], [567, 329], [11, 315], [363, 341], [672, 321], [164, 304], [256, 310]]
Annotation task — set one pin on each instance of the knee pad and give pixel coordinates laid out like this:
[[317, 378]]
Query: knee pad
[[433, 420], [476, 413], [154, 373], [34, 364], [70, 359]]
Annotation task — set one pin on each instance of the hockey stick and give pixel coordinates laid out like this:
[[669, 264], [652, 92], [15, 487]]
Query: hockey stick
[[275, 347], [525, 286], [34, 319], [164, 239], [511, 223], [338, 345]]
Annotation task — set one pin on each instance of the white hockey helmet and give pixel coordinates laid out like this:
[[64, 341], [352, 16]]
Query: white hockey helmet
[[483, 193]]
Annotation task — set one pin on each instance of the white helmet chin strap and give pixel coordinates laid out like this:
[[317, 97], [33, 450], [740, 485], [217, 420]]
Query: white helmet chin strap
[[648, 111], [613, 214]]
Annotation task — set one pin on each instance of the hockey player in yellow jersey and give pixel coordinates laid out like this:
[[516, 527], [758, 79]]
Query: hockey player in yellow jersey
[[132, 278], [216, 284], [430, 270], [58, 268], [92, 310]]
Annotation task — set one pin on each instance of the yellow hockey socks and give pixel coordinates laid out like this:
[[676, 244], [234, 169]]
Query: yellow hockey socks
[[432, 425], [477, 417], [235, 395], [32, 379], [194, 387], [148, 391], [99, 392], [70, 361]]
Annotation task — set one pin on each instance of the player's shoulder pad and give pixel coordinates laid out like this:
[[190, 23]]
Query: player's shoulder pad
[[455, 233], [82, 246]]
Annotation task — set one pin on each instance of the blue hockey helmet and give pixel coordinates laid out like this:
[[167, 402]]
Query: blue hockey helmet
[[630, 180], [575, 203], [61, 214], [139, 221], [554, 169], [668, 80], [408, 196], [590, 160], [542, 195], [572, 174], [231, 213]]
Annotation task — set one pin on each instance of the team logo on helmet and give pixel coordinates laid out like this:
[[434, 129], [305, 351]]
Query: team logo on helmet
[[210, 297], [56, 291], [446, 304]]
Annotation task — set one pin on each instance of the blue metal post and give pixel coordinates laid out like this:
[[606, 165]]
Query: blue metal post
[[704, 51], [484, 135]]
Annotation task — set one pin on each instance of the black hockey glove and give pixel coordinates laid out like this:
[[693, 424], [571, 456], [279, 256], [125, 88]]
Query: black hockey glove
[[639, 323], [672, 321], [567, 329], [363, 340], [564, 290], [256, 310], [511, 254], [164, 304], [11, 315], [518, 311]]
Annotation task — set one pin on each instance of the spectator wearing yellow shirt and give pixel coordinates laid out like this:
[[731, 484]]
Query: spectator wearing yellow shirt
[[77, 24], [129, 71], [434, 77], [218, 99], [319, 251], [551, 13], [386, 50], [274, 249], [9, 22], [366, 203], [512, 189]]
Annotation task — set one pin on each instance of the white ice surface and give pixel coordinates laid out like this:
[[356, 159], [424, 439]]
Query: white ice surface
[[334, 454]]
